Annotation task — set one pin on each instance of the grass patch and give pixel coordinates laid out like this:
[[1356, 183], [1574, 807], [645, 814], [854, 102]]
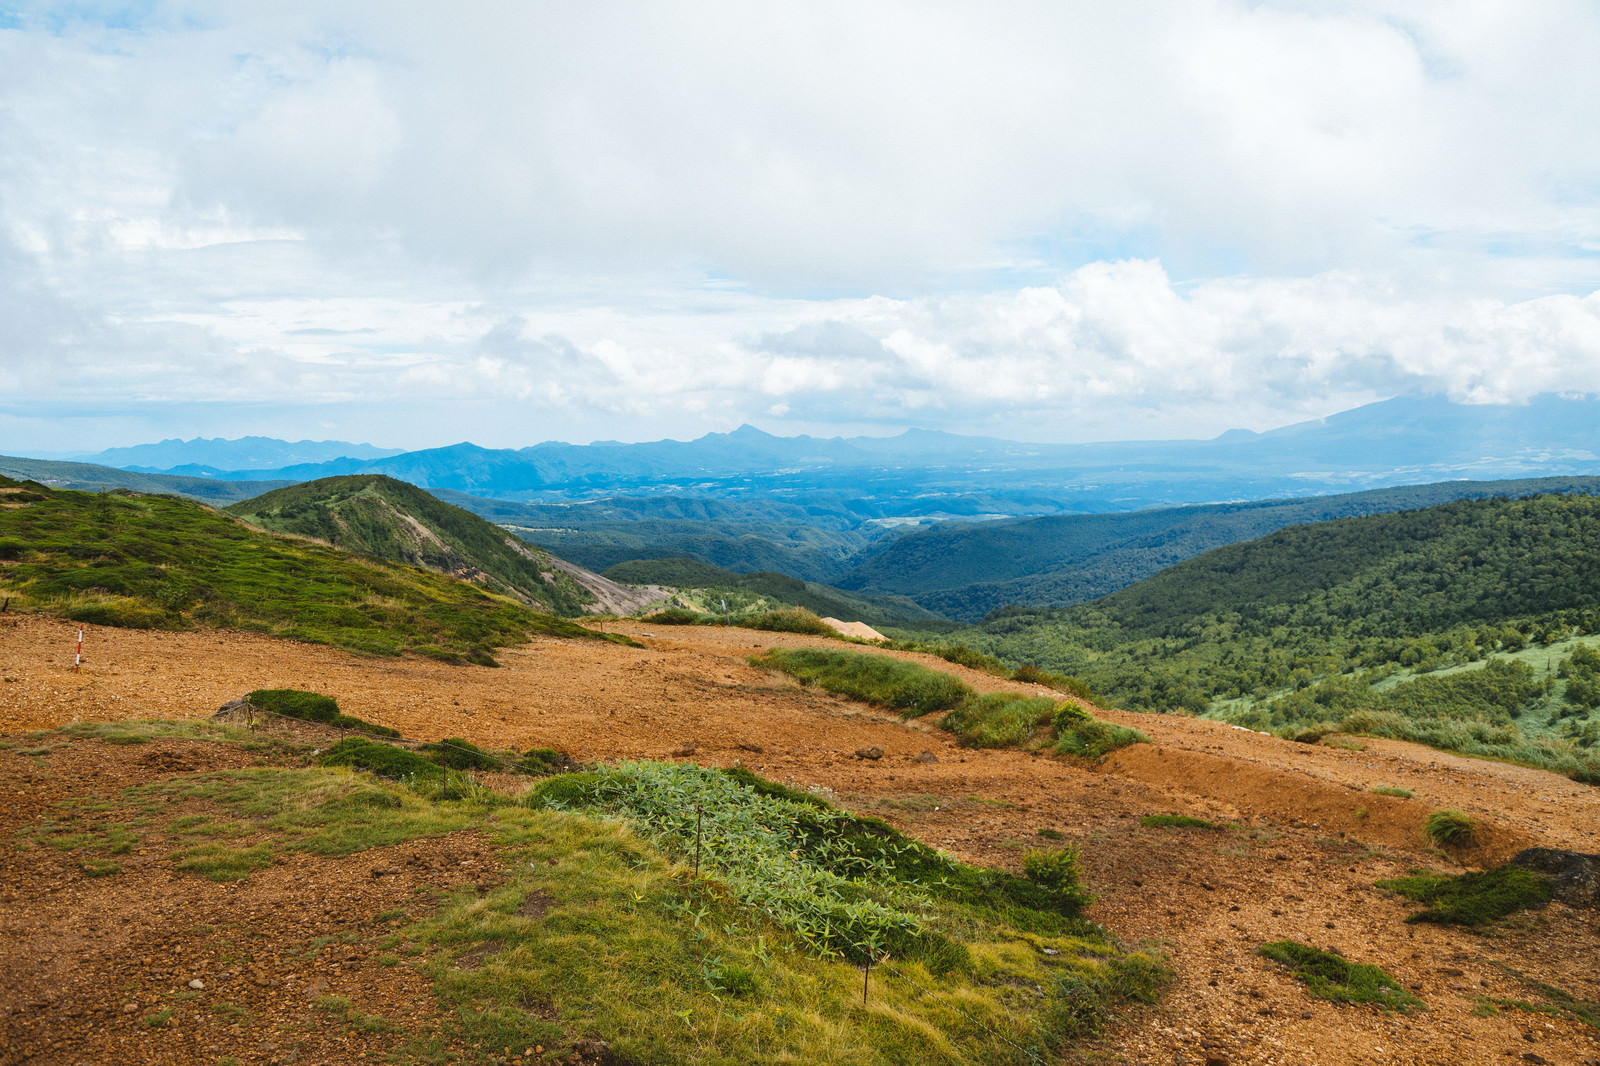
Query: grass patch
[[1000, 719], [911, 689], [1473, 899], [1177, 821], [1390, 790], [1449, 828], [1337, 979], [219, 862]]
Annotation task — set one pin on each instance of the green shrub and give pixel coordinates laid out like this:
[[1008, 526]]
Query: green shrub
[[971, 658], [847, 886], [1069, 715], [1390, 790], [1449, 827], [1056, 872], [454, 753], [312, 707], [385, 760], [295, 703], [1335, 978], [675, 616], [999, 719], [568, 791], [1095, 739], [543, 761], [1473, 899], [791, 620]]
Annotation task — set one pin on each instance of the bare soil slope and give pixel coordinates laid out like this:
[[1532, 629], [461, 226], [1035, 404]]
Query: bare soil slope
[[90, 958]]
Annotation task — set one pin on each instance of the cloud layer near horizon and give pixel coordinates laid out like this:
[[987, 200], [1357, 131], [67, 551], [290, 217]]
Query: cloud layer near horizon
[[510, 222]]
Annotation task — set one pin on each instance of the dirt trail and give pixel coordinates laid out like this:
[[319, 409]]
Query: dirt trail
[[1310, 838]]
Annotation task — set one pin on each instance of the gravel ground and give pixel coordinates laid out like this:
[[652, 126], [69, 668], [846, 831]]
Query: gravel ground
[[91, 959]]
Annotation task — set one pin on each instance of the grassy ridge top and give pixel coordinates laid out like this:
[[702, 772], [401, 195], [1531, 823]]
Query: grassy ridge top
[[393, 520], [164, 562]]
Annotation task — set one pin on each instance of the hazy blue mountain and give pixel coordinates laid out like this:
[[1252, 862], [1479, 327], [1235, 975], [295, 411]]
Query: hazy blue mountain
[[202, 457], [931, 475]]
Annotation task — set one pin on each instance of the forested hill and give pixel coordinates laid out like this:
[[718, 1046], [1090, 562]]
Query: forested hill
[[965, 571], [390, 519], [1468, 562], [1470, 625]]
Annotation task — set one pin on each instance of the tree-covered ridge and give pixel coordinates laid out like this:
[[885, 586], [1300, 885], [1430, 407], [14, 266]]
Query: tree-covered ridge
[[393, 520], [119, 559], [968, 570], [1462, 625], [1467, 562]]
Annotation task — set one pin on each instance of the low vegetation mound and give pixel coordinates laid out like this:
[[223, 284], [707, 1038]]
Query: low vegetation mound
[[1176, 821], [1472, 899], [307, 707], [1337, 979], [853, 889]]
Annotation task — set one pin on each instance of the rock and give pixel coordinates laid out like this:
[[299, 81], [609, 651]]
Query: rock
[[197, 984], [686, 749], [925, 757], [873, 753], [1574, 877]]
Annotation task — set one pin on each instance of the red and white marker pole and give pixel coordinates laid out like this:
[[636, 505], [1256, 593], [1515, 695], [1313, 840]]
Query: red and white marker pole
[[77, 660]]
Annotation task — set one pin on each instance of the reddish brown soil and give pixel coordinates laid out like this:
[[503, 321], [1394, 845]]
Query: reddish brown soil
[[89, 959]]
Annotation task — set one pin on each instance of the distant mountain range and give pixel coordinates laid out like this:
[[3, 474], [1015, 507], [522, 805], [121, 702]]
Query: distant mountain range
[[1062, 524], [201, 457], [931, 475]]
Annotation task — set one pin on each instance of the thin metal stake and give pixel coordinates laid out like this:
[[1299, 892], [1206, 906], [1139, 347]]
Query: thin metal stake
[[699, 818]]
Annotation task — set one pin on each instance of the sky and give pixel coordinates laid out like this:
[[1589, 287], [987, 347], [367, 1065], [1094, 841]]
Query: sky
[[413, 223]]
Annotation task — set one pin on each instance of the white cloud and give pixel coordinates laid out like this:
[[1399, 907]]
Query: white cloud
[[1068, 220]]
